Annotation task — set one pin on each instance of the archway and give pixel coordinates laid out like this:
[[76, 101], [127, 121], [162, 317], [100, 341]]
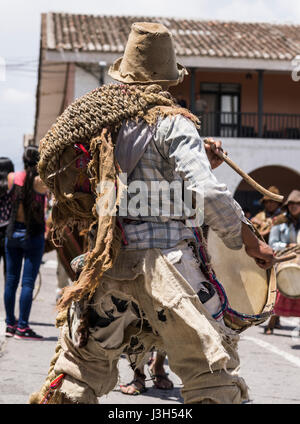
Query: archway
[[285, 179]]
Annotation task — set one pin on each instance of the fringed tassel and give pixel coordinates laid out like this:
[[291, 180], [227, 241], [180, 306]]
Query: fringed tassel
[[54, 385]]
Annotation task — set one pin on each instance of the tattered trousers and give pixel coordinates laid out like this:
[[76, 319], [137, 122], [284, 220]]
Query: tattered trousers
[[149, 300]]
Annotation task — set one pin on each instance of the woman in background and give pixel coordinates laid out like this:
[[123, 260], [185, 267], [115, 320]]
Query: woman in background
[[6, 167], [24, 241]]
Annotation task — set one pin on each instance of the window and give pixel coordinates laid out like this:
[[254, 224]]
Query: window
[[223, 108]]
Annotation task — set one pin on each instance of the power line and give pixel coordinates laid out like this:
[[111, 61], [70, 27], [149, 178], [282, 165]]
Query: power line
[[21, 63]]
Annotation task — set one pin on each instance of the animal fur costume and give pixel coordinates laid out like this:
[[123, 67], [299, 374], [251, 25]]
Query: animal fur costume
[[90, 126]]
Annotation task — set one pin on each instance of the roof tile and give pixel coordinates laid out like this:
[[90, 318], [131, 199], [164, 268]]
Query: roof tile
[[89, 33]]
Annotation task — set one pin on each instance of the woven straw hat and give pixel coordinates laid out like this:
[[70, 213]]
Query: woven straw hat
[[272, 189], [149, 57]]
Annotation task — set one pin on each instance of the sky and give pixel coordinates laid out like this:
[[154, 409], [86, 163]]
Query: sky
[[20, 37]]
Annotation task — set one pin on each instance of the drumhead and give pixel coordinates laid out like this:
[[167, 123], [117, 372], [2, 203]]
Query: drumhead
[[288, 280], [245, 283]]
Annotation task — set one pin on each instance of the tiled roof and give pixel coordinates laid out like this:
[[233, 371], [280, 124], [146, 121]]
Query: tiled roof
[[89, 33]]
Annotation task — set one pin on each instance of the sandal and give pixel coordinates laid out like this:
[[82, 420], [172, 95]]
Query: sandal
[[268, 331]]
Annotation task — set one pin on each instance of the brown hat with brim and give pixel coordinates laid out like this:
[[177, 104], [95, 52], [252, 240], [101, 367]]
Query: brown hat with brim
[[272, 189], [149, 57], [294, 196]]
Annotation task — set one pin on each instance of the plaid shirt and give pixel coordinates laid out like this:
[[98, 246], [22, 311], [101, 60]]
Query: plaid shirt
[[172, 151]]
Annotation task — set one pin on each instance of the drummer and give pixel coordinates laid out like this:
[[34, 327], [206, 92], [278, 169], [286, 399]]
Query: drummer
[[285, 234], [264, 220]]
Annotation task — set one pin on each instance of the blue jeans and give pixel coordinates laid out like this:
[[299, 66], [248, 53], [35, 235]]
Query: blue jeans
[[17, 248]]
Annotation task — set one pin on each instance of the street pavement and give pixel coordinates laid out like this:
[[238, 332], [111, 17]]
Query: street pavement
[[269, 364]]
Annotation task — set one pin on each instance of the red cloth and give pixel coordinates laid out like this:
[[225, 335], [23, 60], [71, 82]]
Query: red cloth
[[286, 307], [19, 178]]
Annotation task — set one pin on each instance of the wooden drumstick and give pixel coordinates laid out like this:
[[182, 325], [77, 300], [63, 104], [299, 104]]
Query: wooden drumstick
[[243, 174], [285, 258]]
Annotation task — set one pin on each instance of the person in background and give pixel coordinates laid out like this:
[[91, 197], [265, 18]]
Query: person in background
[[24, 242], [181, 101], [200, 106], [247, 213], [263, 221], [285, 233], [6, 167]]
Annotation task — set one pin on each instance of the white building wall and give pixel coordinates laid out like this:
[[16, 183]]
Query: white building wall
[[253, 153], [85, 82]]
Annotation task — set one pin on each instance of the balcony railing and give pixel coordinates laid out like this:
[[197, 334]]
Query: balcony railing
[[268, 125]]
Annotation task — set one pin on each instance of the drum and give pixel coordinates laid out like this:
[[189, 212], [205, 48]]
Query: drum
[[249, 289], [288, 276]]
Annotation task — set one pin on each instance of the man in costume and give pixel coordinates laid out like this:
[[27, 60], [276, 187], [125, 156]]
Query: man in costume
[[285, 234], [263, 221], [141, 285]]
